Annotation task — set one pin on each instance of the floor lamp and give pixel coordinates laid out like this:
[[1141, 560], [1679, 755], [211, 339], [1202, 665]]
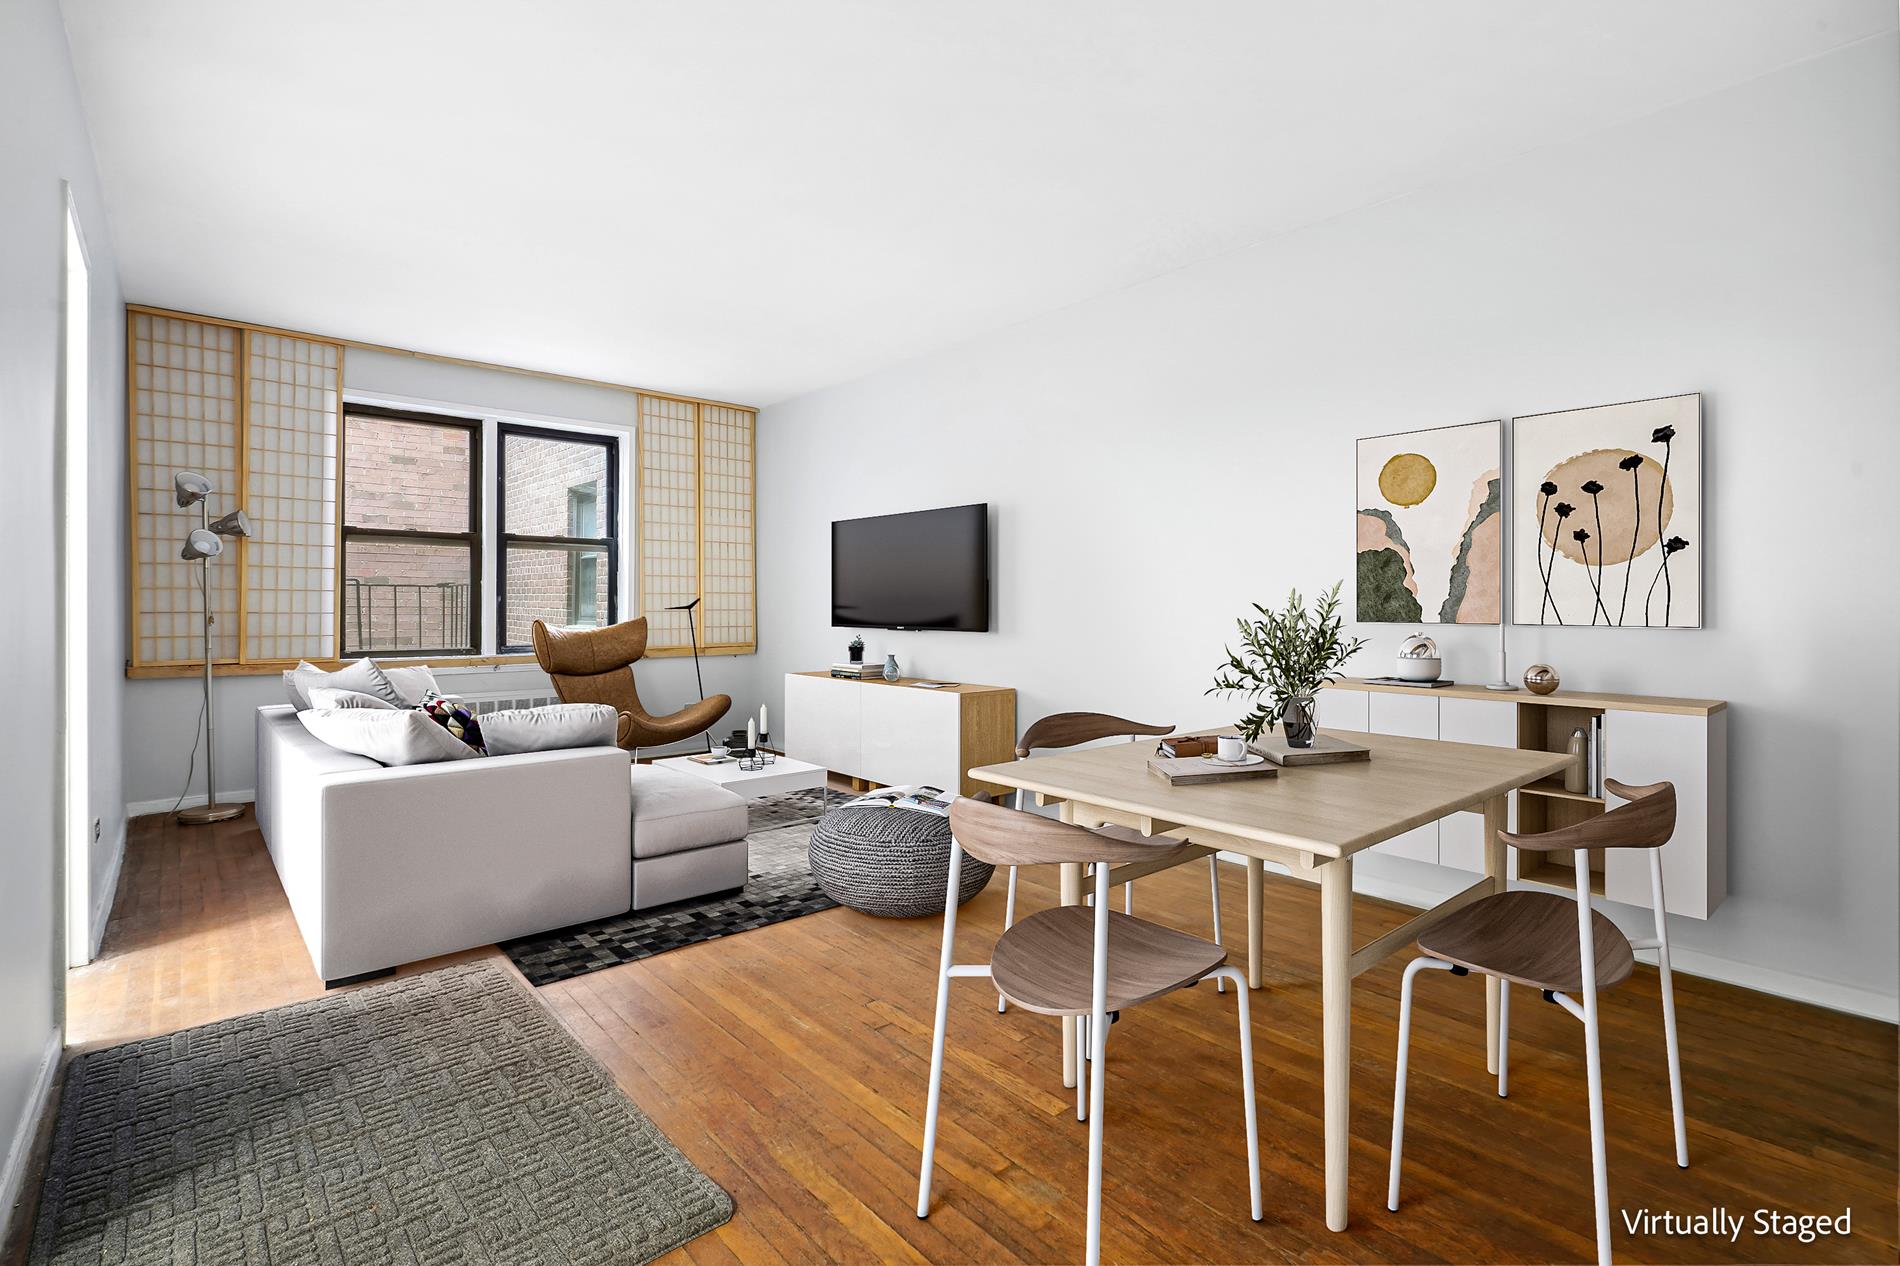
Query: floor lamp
[[693, 632], [202, 545]]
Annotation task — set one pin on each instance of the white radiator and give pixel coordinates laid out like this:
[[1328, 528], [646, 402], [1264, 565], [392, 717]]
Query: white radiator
[[481, 703]]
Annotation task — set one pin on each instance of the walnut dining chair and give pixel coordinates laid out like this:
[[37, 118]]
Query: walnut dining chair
[[1075, 961], [1568, 951], [1072, 729]]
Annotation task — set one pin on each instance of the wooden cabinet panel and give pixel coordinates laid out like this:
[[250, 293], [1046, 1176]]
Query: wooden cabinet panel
[[1408, 716], [1491, 723]]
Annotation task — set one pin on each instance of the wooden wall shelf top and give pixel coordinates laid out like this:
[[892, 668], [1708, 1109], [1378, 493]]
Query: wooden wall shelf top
[[1571, 698], [960, 688]]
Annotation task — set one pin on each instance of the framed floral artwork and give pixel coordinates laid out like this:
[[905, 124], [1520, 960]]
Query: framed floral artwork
[[1429, 526], [1606, 516]]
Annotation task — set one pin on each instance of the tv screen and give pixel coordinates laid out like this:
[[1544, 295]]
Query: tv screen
[[929, 569]]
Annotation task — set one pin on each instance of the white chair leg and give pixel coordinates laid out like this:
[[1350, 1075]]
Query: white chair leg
[[1082, 1068], [1669, 1006], [1412, 969], [1593, 1061], [1098, 1040], [1246, 1086], [936, 1040], [1009, 920], [1504, 1037], [1128, 897], [1213, 888]]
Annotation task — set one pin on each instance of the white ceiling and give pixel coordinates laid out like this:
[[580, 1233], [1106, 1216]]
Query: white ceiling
[[749, 199]]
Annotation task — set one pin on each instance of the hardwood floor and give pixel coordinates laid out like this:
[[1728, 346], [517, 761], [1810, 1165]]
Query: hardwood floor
[[789, 1064]]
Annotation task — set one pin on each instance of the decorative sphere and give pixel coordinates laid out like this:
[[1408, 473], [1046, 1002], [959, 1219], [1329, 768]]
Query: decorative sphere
[[1542, 679], [1418, 646]]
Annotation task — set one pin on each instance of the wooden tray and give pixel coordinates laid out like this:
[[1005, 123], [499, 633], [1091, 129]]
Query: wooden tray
[[1190, 771], [1326, 750]]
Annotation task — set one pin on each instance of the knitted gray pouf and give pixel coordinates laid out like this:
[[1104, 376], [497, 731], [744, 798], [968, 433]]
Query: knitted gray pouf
[[889, 862]]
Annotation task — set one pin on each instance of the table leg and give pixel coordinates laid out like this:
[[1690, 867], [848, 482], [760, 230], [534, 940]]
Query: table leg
[[1256, 900], [1335, 938], [1071, 896], [1496, 868]]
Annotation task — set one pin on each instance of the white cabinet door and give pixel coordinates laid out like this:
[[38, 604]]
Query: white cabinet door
[[1344, 709], [911, 736], [1409, 716], [1490, 724], [1646, 747], [822, 722]]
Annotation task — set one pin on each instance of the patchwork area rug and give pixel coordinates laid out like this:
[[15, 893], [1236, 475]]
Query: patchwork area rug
[[779, 887], [434, 1119]]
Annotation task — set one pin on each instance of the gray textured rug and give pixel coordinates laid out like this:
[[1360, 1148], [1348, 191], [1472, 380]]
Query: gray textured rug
[[442, 1118]]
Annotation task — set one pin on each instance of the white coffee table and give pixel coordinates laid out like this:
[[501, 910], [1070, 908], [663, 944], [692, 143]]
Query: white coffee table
[[782, 775]]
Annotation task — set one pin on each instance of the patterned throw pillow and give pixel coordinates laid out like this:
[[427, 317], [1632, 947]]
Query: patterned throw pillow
[[449, 713]]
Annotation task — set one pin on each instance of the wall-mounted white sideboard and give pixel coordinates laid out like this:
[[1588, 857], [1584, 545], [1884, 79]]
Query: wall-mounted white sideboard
[[898, 733], [1645, 739]]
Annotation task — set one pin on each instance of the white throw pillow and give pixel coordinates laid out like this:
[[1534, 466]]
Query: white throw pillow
[[362, 676], [324, 697], [412, 684], [549, 729], [392, 736]]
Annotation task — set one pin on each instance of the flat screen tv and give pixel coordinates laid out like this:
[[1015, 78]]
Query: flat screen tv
[[929, 569]]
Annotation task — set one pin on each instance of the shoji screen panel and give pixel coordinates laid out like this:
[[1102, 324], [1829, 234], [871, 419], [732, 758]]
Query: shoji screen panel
[[184, 416], [727, 574], [669, 517], [293, 396]]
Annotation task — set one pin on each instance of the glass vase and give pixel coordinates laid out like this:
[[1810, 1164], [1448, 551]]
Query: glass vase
[[1298, 721]]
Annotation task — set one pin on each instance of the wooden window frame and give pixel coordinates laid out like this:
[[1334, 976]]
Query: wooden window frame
[[471, 538], [699, 517], [607, 517]]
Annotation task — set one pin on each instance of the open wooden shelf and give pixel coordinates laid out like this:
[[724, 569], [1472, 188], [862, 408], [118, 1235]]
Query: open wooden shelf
[[1559, 870], [1554, 787]]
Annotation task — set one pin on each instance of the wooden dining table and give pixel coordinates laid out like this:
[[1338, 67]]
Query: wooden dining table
[[1313, 820]]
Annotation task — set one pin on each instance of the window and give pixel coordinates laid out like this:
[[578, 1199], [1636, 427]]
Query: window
[[411, 533], [560, 554]]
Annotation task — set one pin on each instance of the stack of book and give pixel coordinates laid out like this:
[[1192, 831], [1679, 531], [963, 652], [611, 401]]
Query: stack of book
[[857, 672]]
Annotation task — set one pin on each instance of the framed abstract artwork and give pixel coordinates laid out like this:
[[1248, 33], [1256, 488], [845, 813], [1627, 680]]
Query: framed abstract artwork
[[1429, 526], [1606, 515]]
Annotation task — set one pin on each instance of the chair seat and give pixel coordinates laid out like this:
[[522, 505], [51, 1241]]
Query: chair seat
[[1046, 963], [1529, 938]]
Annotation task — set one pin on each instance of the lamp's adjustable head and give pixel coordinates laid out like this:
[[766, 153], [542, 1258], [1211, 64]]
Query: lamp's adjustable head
[[190, 487], [232, 524], [201, 544]]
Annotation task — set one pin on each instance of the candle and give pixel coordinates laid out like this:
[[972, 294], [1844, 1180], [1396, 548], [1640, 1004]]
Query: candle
[[752, 734], [763, 727]]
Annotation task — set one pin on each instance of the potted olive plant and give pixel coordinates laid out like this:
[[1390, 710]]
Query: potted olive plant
[[1286, 656]]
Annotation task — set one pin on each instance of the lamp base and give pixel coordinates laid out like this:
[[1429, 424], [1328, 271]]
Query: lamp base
[[1501, 685], [205, 814]]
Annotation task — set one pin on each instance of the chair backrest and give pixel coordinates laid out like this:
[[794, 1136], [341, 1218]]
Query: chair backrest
[[1010, 837], [1066, 729], [593, 665], [1647, 821]]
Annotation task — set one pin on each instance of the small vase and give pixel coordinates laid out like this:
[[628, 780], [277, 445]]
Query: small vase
[[890, 668], [1297, 721]]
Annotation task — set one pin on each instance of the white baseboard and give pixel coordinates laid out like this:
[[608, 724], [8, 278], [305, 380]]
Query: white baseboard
[[140, 808], [1770, 980], [102, 898], [20, 1148]]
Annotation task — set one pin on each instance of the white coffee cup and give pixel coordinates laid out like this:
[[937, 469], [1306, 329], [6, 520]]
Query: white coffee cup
[[720, 751], [1230, 747]]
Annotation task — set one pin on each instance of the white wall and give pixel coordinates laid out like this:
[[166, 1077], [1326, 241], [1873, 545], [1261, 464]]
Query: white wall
[[44, 143], [1741, 245], [160, 714]]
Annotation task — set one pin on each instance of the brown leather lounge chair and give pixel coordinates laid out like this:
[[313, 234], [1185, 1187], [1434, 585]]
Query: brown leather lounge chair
[[596, 666]]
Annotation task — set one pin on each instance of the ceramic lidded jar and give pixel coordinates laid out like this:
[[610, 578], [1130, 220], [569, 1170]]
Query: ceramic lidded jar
[[1418, 659], [1541, 679]]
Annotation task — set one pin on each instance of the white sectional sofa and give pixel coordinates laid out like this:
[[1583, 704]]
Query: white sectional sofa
[[389, 865]]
